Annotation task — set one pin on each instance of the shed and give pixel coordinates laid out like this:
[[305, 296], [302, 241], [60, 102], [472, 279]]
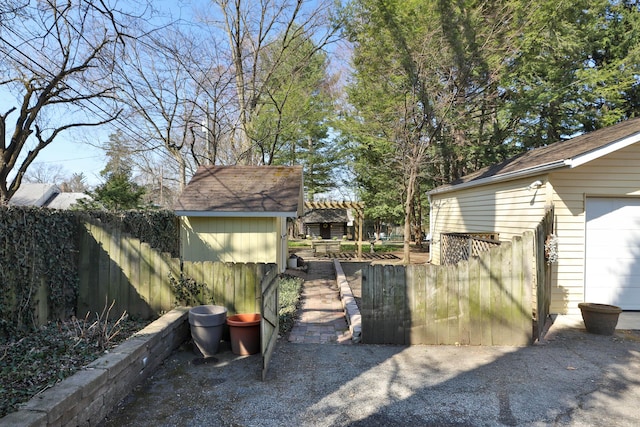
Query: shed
[[327, 223], [239, 213], [593, 182]]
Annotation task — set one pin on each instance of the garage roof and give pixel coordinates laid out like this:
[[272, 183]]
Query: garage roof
[[563, 154], [243, 191]]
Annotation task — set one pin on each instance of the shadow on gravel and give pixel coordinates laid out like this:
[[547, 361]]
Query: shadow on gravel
[[573, 378]]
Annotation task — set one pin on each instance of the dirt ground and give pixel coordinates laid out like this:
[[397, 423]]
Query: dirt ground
[[417, 256]]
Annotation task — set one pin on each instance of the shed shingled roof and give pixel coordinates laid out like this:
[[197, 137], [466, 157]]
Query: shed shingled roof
[[236, 189], [554, 154], [325, 215]]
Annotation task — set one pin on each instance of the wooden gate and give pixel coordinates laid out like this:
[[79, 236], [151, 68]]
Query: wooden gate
[[269, 327], [486, 300], [545, 249]]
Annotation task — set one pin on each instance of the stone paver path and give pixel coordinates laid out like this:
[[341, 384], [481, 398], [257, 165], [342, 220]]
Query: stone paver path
[[321, 319]]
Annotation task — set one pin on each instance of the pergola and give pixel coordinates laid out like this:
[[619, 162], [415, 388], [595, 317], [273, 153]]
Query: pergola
[[357, 207]]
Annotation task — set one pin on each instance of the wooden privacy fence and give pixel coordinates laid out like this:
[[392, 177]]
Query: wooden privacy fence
[[486, 300], [115, 266]]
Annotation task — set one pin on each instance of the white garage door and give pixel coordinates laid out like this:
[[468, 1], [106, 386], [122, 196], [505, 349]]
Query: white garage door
[[612, 270]]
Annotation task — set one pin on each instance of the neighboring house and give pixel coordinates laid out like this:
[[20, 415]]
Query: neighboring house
[[66, 200], [327, 223], [593, 182], [44, 195], [239, 213]]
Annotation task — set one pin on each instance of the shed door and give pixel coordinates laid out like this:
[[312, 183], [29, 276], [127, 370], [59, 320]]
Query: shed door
[[325, 230], [612, 264]]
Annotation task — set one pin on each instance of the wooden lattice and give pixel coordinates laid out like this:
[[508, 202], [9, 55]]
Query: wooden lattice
[[356, 206], [458, 247]]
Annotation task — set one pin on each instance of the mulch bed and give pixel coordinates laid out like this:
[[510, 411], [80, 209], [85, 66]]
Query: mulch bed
[[365, 256]]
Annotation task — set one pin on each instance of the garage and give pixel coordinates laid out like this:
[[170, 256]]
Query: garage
[[597, 258], [612, 260]]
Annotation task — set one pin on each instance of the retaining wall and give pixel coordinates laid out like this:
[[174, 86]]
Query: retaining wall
[[86, 397]]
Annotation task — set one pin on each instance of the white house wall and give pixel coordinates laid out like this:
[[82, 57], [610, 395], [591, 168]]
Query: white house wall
[[508, 208], [616, 175]]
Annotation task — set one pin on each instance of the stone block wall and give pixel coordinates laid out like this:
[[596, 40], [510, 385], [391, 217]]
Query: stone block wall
[[86, 397]]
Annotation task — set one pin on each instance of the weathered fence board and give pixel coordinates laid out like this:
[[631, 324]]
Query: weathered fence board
[[103, 279], [464, 326], [485, 300], [543, 231], [416, 303], [270, 325], [117, 267], [475, 311]]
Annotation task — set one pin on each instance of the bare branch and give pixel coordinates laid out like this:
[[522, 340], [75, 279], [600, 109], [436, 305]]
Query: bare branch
[[56, 60]]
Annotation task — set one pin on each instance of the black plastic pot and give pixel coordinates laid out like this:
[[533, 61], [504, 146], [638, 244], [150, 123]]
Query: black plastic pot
[[207, 323]]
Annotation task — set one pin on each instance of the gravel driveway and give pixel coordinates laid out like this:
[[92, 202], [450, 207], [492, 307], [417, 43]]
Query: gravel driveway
[[574, 379]]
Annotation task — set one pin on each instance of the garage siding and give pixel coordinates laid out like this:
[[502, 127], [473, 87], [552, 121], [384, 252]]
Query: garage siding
[[506, 208], [615, 175]]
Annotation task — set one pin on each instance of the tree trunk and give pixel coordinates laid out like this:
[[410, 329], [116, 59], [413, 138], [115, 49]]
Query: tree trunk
[[411, 182]]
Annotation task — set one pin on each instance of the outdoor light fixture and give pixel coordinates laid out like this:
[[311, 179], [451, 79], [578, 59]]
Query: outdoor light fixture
[[535, 185]]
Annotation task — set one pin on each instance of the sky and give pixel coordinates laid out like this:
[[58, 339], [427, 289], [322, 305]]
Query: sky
[[76, 151], [75, 156]]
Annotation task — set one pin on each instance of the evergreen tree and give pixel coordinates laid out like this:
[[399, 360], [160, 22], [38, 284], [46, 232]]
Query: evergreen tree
[[118, 191], [576, 69], [291, 123]]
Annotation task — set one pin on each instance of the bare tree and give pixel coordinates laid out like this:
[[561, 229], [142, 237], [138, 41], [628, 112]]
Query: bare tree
[[250, 28], [55, 62], [45, 173], [191, 94], [77, 183], [9, 9], [168, 84]]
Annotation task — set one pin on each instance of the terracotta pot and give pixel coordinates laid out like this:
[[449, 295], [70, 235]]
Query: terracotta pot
[[207, 324], [600, 319], [244, 330]]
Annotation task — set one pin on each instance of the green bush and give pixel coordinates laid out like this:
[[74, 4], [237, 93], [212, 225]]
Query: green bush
[[289, 298]]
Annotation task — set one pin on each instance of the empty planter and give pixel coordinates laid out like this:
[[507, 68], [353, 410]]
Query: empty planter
[[244, 330], [600, 318], [207, 323]]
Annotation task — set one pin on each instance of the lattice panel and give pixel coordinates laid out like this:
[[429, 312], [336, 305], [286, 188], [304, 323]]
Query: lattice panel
[[458, 247]]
